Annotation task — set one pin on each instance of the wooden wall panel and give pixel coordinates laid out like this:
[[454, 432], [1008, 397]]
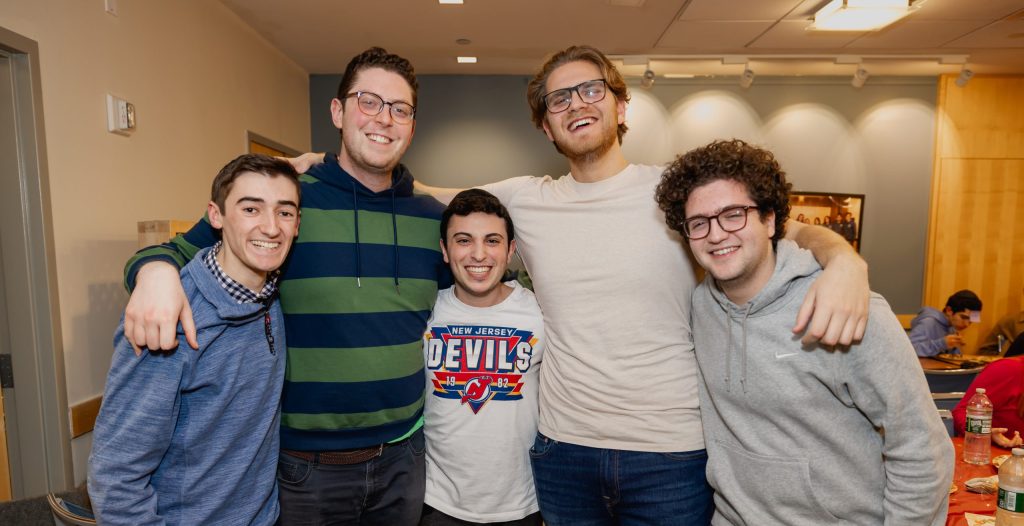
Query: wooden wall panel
[[976, 227], [981, 118]]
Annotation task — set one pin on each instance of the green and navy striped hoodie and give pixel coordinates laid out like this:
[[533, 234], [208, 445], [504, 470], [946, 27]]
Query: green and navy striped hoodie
[[356, 291]]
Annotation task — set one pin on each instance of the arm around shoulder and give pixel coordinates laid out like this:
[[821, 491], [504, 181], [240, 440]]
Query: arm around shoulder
[[835, 309]]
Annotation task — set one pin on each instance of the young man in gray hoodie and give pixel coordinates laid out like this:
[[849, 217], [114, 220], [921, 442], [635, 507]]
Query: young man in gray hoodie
[[796, 434]]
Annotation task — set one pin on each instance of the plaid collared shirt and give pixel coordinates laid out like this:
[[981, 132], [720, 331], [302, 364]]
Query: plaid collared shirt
[[240, 292]]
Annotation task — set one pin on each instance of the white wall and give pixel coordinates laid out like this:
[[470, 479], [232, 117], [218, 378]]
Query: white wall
[[199, 78]]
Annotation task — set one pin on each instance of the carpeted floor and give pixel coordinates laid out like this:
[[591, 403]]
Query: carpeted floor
[[33, 511]]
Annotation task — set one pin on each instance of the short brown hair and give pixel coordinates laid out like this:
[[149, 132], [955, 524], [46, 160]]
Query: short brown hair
[[378, 57], [537, 88], [251, 162], [735, 160]]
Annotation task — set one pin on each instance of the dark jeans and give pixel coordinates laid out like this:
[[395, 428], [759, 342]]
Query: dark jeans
[[433, 517], [584, 486], [386, 491]]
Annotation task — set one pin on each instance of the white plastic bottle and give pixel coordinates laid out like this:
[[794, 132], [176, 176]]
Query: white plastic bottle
[[1010, 505], [978, 436]]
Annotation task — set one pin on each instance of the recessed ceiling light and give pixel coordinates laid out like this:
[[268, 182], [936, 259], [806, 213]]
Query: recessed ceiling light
[[466, 60], [453, 2]]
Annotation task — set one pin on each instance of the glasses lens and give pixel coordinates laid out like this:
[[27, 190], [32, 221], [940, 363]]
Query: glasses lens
[[369, 103], [697, 227], [733, 219], [560, 100], [592, 91], [401, 112]]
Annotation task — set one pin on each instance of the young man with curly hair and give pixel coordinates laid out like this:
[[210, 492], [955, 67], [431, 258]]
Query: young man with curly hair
[[797, 434]]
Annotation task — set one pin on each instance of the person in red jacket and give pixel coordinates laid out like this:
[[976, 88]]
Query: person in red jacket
[[1003, 381]]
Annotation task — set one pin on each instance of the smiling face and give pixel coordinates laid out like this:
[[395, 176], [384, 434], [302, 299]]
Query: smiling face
[[478, 250], [372, 145], [259, 221], [584, 131], [742, 261]]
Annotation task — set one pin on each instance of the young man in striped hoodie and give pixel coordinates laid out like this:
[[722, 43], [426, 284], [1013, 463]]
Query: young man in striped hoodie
[[356, 293]]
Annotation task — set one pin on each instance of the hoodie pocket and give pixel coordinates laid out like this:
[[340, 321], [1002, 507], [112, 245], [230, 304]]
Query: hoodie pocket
[[763, 489]]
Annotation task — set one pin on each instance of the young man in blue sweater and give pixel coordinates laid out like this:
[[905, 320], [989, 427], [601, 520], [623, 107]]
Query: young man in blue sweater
[[191, 437], [935, 332]]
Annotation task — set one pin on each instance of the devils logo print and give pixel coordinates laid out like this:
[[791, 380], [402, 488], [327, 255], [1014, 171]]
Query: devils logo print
[[477, 364]]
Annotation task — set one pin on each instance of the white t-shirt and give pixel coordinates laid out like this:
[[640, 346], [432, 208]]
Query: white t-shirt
[[480, 414], [614, 283]]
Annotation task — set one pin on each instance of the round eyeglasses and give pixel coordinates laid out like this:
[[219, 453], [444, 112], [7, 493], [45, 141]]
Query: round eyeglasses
[[731, 219], [372, 104], [590, 92]]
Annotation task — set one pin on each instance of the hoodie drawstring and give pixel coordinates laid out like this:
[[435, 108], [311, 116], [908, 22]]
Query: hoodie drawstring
[[394, 230], [394, 233], [355, 219]]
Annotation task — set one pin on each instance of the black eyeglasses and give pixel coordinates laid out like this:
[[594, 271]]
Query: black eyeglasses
[[590, 92], [731, 219], [371, 104]]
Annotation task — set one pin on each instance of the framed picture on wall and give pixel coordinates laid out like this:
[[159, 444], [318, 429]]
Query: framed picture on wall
[[843, 213]]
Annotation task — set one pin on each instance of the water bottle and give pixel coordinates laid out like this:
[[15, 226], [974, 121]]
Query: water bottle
[[978, 439], [1010, 505]]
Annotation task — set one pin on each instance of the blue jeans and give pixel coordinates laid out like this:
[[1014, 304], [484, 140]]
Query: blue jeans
[[585, 486], [386, 490]]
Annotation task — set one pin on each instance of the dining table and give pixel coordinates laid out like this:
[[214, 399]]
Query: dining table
[[962, 501], [952, 373]]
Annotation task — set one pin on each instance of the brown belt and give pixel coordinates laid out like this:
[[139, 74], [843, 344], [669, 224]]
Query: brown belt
[[339, 458]]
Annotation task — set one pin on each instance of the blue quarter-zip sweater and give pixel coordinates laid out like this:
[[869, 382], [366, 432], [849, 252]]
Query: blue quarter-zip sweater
[[191, 437]]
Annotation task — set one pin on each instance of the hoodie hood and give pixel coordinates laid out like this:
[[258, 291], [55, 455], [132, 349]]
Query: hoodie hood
[[331, 173], [792, 264]]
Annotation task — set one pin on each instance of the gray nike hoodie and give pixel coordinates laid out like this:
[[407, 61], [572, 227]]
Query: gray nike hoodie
[[806, 435]]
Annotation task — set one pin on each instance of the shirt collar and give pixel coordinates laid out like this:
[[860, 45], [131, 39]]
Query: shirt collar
[[240, 293]]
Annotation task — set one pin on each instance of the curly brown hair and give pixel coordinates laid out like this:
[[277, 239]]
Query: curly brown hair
[[537, 87], [734, 160]]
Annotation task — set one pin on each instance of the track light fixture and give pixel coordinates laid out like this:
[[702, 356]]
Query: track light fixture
[[747, 77], [860, 77], [965, 76], [648, 79]]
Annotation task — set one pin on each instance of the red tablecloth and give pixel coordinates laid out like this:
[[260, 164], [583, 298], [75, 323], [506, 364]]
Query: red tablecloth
[[964, 501]]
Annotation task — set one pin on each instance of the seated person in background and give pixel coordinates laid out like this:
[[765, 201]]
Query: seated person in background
[[1009, 327], [1003, 382], [794, 431], [934, 332], [191, 437], [483, 349]]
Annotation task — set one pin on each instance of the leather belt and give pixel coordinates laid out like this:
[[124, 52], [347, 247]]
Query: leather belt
[[340, 458]]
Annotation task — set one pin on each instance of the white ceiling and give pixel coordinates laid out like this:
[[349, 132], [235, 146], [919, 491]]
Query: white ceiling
[[514, 36]]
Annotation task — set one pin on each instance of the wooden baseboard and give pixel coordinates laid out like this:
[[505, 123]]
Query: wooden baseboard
[[83, 416]]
